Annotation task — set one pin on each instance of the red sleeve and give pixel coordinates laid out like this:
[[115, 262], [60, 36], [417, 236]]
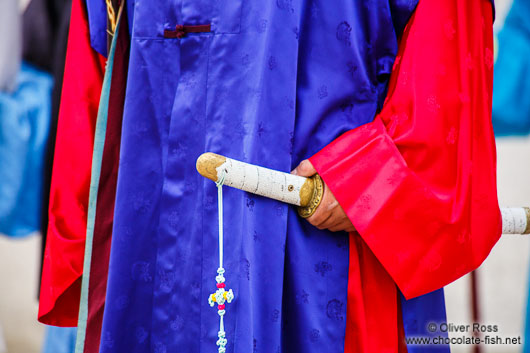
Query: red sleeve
[[419, 182], [63, 259]]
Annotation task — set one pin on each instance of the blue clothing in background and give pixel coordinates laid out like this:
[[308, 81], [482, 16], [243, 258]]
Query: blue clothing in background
[[59, 340], [24, 125], [511, 86]]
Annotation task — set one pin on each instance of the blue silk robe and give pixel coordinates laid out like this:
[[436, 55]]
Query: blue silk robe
[[271, 84]]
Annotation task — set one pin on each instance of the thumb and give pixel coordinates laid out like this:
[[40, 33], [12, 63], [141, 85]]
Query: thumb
[[305, 169]]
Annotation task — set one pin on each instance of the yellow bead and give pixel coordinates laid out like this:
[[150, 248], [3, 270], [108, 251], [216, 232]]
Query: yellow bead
[[224, 295], [213, 298]]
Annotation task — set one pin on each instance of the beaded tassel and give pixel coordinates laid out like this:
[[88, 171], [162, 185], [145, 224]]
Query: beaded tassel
[[221, 295]]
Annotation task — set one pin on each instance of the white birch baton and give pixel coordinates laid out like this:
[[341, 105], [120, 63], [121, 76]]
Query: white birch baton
[[293, 189]]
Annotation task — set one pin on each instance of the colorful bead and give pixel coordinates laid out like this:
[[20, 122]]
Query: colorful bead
[[229, 296], [221, 285], [222, 341], [221, 307]]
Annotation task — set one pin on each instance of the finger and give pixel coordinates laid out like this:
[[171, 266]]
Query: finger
[[332, 221], [323, 211], [351, 228], [348, 226], [305, 168], [332, 205], [319, 217], [344, 225]]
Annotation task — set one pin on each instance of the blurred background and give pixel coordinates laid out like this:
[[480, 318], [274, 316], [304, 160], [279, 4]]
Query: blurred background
[[501, 283]]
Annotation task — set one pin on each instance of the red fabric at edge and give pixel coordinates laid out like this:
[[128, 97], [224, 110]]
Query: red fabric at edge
[[63, 258]]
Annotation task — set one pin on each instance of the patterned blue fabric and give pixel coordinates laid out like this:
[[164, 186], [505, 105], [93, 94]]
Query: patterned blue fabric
[[511, 86], [24, 125], [59, 340], [272, 84], [416, 320]]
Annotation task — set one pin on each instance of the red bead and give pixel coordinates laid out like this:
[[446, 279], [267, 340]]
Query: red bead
[[221, 307], [221, 285]]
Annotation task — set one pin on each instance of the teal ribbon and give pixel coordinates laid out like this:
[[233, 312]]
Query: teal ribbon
[[99, 143]]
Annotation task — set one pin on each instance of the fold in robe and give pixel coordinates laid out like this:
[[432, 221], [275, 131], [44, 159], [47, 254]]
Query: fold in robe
[[419, 182], [63, 259]]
